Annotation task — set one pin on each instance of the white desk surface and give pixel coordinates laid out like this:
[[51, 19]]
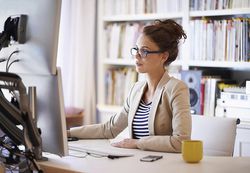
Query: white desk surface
[[170, 163]]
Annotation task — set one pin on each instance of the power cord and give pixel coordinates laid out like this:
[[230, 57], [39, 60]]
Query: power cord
[[16, 60], [8, 60], [15, 159], [9, 65]]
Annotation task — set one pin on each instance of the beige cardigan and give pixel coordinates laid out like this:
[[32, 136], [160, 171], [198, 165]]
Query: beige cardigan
[[169, 117]]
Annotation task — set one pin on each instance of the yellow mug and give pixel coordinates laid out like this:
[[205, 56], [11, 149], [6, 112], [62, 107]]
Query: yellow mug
[[192, 150]]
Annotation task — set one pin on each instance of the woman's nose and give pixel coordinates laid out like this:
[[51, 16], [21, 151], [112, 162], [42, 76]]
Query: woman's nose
[[137, 56]]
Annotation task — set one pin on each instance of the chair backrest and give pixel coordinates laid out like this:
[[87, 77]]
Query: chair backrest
[[217, 133]]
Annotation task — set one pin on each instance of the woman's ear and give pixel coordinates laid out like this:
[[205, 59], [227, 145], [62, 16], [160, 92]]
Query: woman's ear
[[165, 56]]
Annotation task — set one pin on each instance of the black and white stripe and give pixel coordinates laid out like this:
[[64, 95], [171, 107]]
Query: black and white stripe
[[140, 122]]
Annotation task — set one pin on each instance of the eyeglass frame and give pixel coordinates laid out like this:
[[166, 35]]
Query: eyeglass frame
[[146, 52]]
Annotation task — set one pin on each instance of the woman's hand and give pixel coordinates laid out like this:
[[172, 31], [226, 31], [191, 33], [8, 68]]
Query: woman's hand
[[126, 143]]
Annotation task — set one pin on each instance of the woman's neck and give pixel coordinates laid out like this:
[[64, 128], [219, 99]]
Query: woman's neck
[[152, 81]]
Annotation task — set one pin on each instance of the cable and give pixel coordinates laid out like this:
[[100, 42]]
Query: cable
[[14, 160], [77, 156], [8, 65], [16, 60], [8, 59]]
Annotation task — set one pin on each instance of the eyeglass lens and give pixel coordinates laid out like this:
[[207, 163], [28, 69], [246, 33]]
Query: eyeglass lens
[[136, 51]]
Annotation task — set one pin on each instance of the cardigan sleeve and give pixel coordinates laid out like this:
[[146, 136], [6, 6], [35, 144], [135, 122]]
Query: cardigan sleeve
[[116, 124], [108, 130]]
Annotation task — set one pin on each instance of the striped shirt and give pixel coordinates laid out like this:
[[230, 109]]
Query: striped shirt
[[140, 121]]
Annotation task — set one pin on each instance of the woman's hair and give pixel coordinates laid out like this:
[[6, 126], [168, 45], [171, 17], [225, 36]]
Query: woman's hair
[[166, 34]]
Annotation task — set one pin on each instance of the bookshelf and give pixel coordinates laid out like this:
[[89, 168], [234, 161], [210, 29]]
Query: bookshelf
[[129, 12], [109, 19]]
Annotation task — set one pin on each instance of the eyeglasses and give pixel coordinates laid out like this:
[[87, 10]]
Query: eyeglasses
[[142, 52]]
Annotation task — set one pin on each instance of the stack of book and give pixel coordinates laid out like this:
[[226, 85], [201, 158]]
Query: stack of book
[[120, 38], [197, 5], [118, 83], [234, 103], [211, 87], [220, 40]]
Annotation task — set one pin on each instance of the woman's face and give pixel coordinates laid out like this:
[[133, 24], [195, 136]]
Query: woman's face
[[145, 61]]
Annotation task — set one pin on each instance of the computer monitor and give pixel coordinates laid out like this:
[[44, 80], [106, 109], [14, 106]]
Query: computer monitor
[[37, 65], [49, 111]]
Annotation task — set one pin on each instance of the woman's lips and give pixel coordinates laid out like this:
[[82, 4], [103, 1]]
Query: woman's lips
[[138, 64]]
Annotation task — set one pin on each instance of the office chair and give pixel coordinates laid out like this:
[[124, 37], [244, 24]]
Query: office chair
[[217, 133]]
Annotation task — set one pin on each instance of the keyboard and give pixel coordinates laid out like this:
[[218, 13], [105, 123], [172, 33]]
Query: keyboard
[[110, 152]]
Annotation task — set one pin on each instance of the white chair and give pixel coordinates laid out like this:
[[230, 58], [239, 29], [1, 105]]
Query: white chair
[[217, 133]]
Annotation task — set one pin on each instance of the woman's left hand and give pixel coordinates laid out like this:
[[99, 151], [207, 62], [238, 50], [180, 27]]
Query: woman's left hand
[[126, 143]]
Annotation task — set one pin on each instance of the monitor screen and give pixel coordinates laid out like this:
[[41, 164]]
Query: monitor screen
[[49, 111]]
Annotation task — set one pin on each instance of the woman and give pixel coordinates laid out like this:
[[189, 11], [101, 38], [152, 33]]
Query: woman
[[157, 111]]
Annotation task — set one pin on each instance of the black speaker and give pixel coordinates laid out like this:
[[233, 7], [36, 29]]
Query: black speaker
[[193, 80]]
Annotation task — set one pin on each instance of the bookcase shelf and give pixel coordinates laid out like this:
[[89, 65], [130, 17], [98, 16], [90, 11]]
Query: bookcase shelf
[[183, 16], [121, 62], [188, 57], [142, 17], [107, 62], [225, 12], [220, 64], [130, 62]]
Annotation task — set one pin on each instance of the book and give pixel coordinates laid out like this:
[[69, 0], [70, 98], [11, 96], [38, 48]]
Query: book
[[210, 94], [118, 82], [114, 41], [130, 36], [202, 96]]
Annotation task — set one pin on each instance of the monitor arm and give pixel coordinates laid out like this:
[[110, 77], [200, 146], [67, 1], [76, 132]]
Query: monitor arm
[[12, 115], [17, 113]]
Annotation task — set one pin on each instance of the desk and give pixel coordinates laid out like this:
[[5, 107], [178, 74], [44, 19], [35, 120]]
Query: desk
[[170, 163]]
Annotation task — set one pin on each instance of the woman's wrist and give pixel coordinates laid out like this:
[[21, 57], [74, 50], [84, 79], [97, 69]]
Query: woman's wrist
[[68, 133]]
